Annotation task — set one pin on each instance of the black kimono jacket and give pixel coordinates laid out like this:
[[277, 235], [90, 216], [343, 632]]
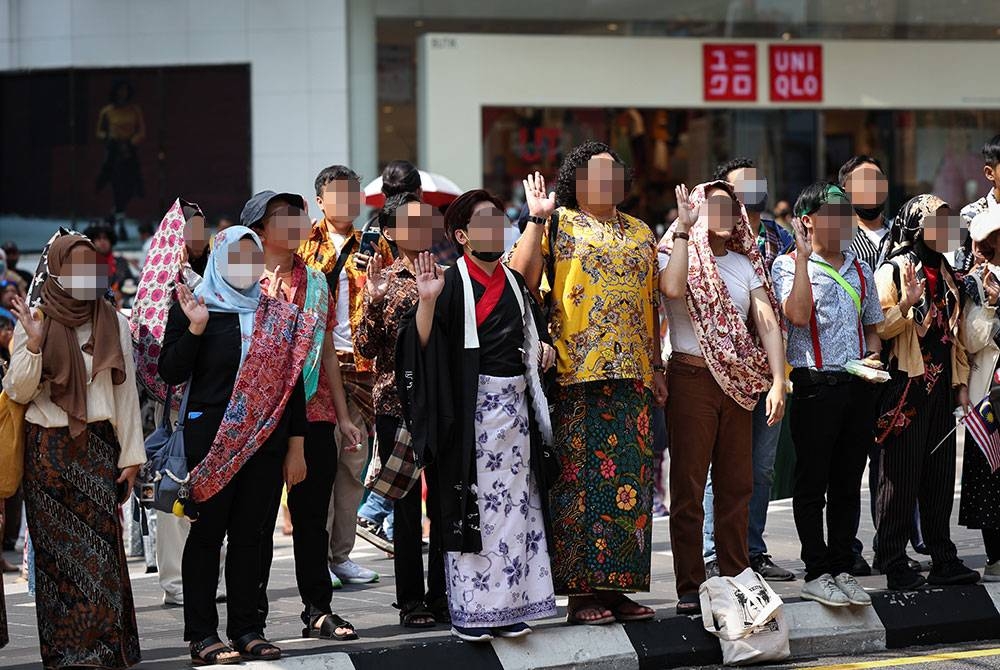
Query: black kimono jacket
[[438, 386]]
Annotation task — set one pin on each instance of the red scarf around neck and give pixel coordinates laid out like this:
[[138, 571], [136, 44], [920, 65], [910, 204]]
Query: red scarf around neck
[[494, 289]]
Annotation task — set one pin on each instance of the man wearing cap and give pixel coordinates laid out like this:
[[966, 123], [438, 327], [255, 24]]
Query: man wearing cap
[[281, 222], [829, 298]]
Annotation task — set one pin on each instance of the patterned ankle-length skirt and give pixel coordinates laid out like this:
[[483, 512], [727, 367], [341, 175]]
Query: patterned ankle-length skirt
[[602, 503], [510, 580], [82, 591]]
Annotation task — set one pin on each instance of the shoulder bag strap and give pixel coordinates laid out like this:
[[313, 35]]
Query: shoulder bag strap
[[333, 278], [182, 415]]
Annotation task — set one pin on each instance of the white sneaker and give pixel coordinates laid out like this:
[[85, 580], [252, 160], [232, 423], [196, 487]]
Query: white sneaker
[[350, 572], [173, 600], [854, 592], [824, 590], [992, 572], [335, 580]]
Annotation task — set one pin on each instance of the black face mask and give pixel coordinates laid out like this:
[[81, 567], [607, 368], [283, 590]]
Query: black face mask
[[756, 206], [870, 213], [487, 256]]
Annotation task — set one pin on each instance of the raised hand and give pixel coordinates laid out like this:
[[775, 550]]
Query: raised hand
[[377, 284], [539, 204], [32, 324], [194, 309], [992, 288], [913, 289], [803, 240], [687, 213], [430, 278], [276, 289]]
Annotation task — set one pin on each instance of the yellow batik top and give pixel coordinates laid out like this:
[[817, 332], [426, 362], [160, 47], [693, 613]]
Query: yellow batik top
[[605, 291]]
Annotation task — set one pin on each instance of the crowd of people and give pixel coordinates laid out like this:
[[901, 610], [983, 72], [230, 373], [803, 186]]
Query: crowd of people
[[523, 392]]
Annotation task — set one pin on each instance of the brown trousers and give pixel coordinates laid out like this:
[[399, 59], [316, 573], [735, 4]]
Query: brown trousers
[[707, 429]]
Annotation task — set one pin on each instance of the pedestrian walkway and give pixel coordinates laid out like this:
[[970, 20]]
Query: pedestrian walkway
[[369, 607]]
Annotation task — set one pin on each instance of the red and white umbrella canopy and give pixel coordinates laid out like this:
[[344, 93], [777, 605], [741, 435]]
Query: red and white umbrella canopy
[[437, 190]]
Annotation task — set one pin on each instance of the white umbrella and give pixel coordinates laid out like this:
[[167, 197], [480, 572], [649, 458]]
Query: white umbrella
[[437, 190]]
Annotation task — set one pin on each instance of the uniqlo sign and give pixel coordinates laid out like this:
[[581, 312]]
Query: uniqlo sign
[[730, 72], [796, 72]]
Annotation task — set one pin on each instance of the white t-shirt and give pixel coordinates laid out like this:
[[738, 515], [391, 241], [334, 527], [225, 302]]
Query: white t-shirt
[[875, 235], [342, 331], [740, 279]]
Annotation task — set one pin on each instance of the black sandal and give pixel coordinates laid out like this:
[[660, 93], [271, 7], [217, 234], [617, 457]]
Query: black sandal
[[256, 652], [411, 612], [328, 629], [439, 608], [201, 657], [617, 603], [689, 605]]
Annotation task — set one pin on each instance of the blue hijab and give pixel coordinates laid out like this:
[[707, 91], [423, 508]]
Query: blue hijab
[[219, 295]]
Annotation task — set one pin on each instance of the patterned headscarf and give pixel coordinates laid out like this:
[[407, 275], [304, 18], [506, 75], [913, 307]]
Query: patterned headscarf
[[219, 294], [731, 347], [908, 226]]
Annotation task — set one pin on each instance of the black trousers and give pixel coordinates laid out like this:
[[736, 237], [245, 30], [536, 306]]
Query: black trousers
[[833, 428], [909, 475], [243, 512], [408, 531], [308, 502], [991, 542]]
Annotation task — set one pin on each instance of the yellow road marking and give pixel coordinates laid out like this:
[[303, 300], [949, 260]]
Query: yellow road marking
[[911, 660]]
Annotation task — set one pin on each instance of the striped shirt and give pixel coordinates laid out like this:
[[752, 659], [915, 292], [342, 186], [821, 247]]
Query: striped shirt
[[868, 251]]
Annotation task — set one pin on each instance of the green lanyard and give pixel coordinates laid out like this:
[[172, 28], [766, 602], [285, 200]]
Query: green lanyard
[[836, 276]]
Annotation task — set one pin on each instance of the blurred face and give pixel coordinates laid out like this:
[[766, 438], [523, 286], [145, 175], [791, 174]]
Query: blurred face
[[6, 334], [244, 264], [195, 236], [751, 187], [942, 231], [831, 225], [720, 212], [341, 200], [7, 295], [83, 277], [867, 186], [13, 256], [418, 226], [485, 238], [601, 183], [782, 210], [285, 226], [102, 244]]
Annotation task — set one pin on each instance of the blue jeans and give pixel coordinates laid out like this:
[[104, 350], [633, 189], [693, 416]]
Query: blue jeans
[[765, 449], [378, 509]]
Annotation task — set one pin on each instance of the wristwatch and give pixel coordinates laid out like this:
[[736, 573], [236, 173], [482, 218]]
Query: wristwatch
[[681, 236], [537, 219]]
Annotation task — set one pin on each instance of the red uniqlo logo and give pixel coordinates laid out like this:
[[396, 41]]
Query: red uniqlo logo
[[796, 72], [730, 71]]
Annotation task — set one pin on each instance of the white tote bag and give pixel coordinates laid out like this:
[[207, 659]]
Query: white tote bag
[[746, 615]]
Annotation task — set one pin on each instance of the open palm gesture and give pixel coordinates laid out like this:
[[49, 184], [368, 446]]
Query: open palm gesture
[[687, 213], [430, 278], [194, 308], [539, 203], [377, 284]]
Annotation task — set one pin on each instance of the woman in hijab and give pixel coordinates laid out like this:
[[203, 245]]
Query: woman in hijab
[[72, 366], [243, 429], [922, 302]]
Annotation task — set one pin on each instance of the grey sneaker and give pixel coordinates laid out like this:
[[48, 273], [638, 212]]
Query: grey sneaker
[[824, 590], [350, 572], [849, 585], [992, 572]]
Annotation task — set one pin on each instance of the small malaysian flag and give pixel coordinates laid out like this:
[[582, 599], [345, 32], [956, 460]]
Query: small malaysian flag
[[983, 427]]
